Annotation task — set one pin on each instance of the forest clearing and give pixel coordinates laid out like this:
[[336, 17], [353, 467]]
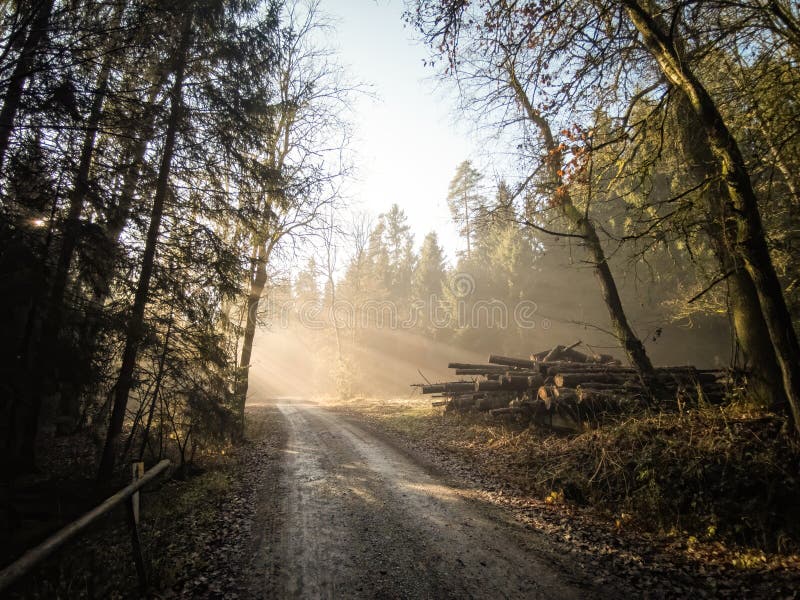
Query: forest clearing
[[414, 298]]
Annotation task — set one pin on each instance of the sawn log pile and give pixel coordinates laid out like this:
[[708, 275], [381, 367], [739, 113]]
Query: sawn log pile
[[564, 388]]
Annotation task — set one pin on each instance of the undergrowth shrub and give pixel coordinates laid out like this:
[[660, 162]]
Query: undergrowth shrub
[[711, 473]]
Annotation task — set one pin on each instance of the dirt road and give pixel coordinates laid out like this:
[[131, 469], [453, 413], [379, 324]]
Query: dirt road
[[348, 515]]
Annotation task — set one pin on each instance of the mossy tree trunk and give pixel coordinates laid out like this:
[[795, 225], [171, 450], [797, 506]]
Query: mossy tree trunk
[[751, 244]]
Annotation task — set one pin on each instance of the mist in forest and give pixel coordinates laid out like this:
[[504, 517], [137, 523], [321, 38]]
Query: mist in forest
[[396, 316], [297, 363], [378, 301]]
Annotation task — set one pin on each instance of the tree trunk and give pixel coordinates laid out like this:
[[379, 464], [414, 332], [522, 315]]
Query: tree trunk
[[749, 327], [751, 243], [118, 215], [257, 283], [136, 321], [631, 344], [330, 267], [159, 378], [80, 190], [258, 280], [22, 72], [466, 227]]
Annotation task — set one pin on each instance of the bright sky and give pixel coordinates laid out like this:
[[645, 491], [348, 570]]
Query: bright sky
[[407, 142]]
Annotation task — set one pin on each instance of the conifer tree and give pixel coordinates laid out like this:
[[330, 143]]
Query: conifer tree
[[465, 201]]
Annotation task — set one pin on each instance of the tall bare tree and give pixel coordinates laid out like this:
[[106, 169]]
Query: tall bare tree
[[303, 152]]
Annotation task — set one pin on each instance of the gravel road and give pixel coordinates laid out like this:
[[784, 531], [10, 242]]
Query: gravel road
[[346, 514]]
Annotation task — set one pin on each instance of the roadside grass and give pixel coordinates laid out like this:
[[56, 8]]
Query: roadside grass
[[716, 476]]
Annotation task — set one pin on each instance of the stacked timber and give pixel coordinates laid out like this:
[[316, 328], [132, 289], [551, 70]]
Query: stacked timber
[[564, 388]]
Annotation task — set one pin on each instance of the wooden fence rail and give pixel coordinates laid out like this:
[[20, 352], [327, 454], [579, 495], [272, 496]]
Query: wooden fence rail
[[35, 555]]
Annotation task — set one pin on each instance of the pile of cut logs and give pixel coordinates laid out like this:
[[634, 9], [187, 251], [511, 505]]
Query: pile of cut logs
[[564, 388]]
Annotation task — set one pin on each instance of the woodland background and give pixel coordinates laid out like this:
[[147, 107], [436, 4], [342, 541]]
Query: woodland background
[[172, 173]]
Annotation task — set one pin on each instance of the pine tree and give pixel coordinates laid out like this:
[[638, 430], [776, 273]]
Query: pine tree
[[465, 200], [429, 276], [135, 332], [306, 286], [400, 251]]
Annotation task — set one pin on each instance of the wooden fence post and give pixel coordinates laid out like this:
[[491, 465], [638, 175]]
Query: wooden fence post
[[137, 470]]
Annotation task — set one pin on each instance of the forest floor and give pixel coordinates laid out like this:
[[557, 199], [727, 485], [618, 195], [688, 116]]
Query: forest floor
[[196, 527], [391, 498], [525, 472]]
